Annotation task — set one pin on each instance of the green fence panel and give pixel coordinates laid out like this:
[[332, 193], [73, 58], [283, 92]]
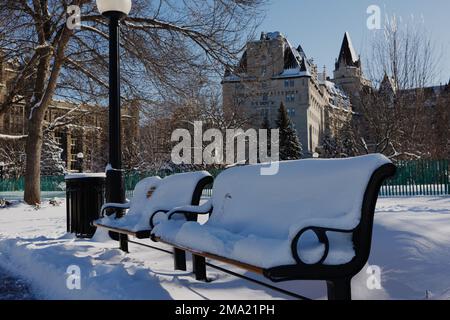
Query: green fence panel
[[413, 178], [418, 178]]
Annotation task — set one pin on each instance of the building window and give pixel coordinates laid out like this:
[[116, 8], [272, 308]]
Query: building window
[[291, 83], [291, 112], [73, 150], [290, 97], [286, 83], [265, 113], [265, 98]]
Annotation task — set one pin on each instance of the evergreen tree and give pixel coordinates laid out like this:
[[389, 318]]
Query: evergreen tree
[[347, 141], [330, 147], [341, 145], [51, 162], [290, 146], [266, 125]]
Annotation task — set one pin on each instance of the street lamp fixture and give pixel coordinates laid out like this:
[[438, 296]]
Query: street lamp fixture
[[80, 157], [122, 6], [114, 10]]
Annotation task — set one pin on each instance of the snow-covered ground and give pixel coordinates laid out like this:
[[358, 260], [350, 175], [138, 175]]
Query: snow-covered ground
[[13, 288], [411, 245], [18, 195]]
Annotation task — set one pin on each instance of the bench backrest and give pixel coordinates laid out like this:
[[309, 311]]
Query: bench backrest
[[322, 192], [154, 193]]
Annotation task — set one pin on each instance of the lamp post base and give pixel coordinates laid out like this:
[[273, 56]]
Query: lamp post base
[[115, 192], [115, 188]]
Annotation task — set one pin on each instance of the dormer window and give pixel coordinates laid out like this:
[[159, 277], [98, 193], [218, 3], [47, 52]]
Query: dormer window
[[263, 70]]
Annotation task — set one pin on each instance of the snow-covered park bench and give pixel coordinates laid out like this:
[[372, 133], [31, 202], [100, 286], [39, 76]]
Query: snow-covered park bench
[[150, 195], [310, 221]]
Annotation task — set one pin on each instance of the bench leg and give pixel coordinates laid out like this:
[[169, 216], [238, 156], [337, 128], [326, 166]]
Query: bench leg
[[123, 239], [179, 259], [199, 266], [339, 289]]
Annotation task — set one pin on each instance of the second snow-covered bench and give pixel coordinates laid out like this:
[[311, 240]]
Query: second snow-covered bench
[[312, 220], [151, 195]]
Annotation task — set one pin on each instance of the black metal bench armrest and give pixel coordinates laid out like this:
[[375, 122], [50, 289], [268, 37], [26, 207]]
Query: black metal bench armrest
[[205, 208], [321, 233], [112, 205], [152, 225], [186, 213], [186, 210]]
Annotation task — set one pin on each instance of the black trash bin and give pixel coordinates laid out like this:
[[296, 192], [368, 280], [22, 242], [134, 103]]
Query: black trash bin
[[85, 195]]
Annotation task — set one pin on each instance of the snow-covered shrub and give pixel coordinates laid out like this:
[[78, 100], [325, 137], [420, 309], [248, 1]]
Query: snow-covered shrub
[[51, 162]]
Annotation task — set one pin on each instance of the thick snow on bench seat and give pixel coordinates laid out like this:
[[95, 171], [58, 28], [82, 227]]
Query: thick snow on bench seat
[[256, 217], [172, 191]]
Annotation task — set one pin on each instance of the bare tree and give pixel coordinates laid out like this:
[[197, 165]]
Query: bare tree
[[12, 153], [401, 64], [162, 40], [438, 143], [404, 51]]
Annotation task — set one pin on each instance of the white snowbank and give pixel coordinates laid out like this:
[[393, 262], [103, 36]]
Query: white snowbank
[[411, 245]]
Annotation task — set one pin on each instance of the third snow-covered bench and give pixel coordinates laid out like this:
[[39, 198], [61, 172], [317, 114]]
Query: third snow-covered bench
[[312, 220]]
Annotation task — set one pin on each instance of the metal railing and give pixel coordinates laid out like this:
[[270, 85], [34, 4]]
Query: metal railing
[[418, 178], [48, 183], [413, 178]]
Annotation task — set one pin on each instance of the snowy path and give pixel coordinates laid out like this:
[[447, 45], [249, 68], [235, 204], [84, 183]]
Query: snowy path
[[12, 288], [411, 245]]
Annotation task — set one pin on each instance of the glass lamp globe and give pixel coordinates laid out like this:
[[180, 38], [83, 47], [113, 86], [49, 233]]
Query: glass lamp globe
[[122, 6]]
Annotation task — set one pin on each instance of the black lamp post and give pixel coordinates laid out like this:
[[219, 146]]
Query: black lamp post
[[2, 165], [115, 10]]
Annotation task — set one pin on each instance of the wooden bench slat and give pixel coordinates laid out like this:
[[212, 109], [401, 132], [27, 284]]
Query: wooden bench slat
[[141, 234], [236, 263]]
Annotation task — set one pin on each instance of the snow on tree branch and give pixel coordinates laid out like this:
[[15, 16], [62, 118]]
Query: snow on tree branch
[[7, 137]]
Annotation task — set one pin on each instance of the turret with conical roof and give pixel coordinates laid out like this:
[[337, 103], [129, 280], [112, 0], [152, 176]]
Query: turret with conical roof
[[347, 54], [387, 85], [348, 71]]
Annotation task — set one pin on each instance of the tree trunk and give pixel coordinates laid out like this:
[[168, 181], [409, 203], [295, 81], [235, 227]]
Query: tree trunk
[[33, 163], [44, 90]]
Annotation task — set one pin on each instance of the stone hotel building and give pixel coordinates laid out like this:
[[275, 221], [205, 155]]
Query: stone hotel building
[[272, 71]]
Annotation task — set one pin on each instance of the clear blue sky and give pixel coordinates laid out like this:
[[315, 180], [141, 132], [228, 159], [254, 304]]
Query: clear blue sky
[[319, 25]]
